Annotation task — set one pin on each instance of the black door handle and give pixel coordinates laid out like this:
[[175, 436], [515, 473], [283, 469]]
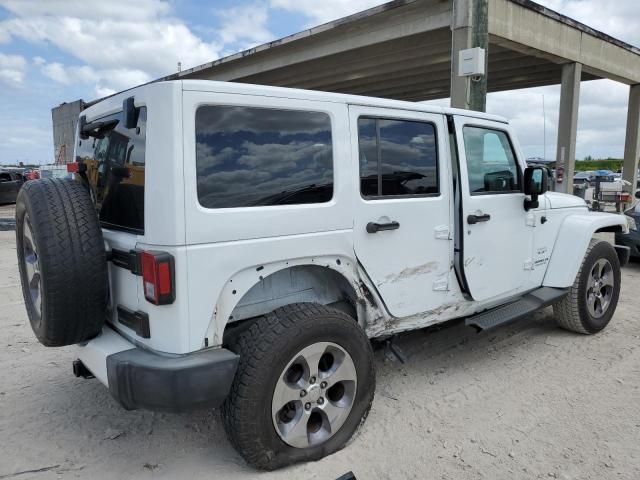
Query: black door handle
[[473, 219], [373, 227]]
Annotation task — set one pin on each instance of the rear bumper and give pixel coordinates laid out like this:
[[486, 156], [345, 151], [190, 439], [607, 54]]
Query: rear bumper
[[140, 378]]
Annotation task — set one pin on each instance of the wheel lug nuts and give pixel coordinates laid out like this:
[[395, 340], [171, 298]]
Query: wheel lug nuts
[[320, 401], [303, 393], [307, 406], [312, 380], [323, 385]]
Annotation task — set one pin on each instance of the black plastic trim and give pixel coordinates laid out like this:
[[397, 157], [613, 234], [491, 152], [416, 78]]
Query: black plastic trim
[[533, 301], [142, 379], [137, 321], [459, 215], [128, 260], [624, 254]]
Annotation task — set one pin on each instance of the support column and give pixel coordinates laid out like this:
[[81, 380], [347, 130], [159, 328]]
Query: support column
[[632, 140], [470, 28], [568, 124]]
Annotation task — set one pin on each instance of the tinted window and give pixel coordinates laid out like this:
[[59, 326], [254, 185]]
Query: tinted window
[[115, 170], [247, 156], [397, 157], [491, 163]]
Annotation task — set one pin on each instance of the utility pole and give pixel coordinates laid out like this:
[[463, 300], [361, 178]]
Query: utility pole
[[469, 29], [480, 38]]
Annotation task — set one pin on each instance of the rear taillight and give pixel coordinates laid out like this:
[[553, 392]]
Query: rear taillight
[[157, 277]]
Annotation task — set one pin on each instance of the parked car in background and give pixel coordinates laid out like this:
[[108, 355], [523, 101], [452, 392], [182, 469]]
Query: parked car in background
[[583, 177], [605, 175], [10, 183], [632, 239]]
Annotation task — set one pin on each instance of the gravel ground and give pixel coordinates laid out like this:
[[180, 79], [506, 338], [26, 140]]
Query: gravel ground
[[523, 401]]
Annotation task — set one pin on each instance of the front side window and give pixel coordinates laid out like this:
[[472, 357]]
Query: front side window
[[249, 156], [491, 164], [397, 157], [115, 170]]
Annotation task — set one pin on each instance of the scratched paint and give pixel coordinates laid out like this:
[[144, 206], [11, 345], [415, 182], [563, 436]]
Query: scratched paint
[[410, 272]]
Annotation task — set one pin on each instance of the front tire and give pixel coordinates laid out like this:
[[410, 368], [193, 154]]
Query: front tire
[[305, 383], [593, 297]]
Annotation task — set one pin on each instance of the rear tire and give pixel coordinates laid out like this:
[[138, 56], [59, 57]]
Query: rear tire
[[62, 261], [268, 351], [593, 297]]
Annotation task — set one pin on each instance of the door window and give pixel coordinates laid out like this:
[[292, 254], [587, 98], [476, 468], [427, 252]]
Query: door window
[[491, 164], [397, 158]]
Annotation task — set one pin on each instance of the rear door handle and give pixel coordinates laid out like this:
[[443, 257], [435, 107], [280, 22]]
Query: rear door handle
[[473, 219], [373, 227]]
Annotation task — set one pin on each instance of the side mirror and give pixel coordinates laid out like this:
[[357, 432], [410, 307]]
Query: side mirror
[[535, 183], [129, 113]]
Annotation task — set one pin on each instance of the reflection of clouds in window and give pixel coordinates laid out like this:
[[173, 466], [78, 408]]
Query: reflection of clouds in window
[[282, 157], [408, 155], [256, 163], [423, 139], [214, 120]]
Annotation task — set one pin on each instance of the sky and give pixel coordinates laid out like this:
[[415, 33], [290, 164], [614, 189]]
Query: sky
[[52, 51]]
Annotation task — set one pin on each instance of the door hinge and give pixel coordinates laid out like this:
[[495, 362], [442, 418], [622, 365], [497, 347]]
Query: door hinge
[[441, 285], [128, 260], [528, 265], [442, 232]]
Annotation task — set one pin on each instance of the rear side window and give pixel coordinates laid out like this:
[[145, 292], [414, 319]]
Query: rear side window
[[491, 164], [397, 158], [115, 170], [248, 156]]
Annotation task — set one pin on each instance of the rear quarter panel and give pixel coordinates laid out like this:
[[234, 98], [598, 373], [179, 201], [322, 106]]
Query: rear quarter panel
[[225, 242]]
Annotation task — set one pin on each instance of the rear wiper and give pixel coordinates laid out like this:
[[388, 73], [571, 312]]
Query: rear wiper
[[95, 129]]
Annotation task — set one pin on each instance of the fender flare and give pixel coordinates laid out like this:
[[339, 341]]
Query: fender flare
[[241, 282], [571, 245]]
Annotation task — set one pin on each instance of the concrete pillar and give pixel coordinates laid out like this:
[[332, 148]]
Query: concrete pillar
[[65, 118], [470, 28], [632, 141], [568, 124]]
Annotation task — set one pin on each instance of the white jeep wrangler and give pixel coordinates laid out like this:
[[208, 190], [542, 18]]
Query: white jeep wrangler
[[238, 246]]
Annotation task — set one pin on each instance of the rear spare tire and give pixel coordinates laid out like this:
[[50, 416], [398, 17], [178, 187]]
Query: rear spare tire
[[62, 261]]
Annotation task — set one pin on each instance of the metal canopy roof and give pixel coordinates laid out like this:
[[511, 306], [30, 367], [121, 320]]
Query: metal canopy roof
[[402, 50]]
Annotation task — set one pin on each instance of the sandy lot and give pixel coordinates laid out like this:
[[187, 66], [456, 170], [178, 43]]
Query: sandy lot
[[523, 401]]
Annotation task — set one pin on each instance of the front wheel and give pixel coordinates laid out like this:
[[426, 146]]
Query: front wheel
[[304, 385], [593, 297]]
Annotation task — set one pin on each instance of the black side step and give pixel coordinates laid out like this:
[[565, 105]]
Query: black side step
[[536, 300]]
